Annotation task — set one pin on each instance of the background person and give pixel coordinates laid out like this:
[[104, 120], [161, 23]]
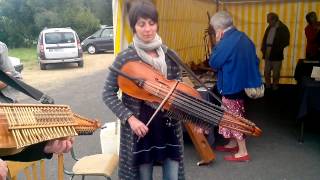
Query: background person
[[235, 59], [312, 32], [160, 142], [275, 39]]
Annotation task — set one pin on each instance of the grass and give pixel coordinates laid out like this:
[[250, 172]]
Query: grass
[[28, 56]]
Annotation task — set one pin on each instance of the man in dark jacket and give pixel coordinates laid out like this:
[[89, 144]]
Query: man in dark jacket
[[276, 38]]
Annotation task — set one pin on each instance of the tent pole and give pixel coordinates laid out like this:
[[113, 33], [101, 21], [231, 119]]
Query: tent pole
[[217, 5]]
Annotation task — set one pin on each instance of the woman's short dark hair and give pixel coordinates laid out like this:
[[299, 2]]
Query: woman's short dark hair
[[142, 9]]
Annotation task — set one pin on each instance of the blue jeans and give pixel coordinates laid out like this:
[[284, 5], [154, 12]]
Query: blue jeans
[[169, 170]]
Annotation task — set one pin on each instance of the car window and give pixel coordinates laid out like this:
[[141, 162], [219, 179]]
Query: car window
[[96, 34], [107, 33], [59, 37]]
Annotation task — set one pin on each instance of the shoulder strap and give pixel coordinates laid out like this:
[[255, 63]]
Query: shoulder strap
[[173, 56], [25, 88]]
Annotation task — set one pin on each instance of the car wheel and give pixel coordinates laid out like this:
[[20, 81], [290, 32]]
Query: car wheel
[[91, 49], [80, 63], [43, 66]]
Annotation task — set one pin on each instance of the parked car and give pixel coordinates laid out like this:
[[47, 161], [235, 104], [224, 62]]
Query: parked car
[[102, 40], [59, 45], [16, 62]]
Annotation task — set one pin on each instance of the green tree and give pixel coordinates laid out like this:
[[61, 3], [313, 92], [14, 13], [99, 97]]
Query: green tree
[[3, 29], [102, 9], [22, 20], [82, 21], [18, 22], [65, 13]]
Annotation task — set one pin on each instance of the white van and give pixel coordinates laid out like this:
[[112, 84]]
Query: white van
[[59, 45]]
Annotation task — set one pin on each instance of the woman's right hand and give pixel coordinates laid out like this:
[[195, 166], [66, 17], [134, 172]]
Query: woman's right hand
[[3, 170], [138, 127]]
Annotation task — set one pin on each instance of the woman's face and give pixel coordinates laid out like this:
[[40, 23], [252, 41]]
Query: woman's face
[[146, 29]]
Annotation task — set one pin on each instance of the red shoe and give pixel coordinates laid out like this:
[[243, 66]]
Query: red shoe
[[226, 149], [245, 158]]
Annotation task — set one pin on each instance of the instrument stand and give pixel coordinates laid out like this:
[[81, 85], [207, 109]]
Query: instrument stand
[[199, 141], [201, 144]]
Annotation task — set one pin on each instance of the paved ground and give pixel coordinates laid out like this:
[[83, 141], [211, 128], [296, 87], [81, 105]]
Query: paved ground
[[275, 156]]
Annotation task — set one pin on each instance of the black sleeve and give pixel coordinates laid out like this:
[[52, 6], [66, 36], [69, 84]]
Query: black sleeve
[[111, 88], [264, 40], [318, 39], [31, 153], [287, 36]]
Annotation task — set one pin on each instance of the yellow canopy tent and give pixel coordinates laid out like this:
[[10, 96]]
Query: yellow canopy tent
[[250, 17], [183, 24]]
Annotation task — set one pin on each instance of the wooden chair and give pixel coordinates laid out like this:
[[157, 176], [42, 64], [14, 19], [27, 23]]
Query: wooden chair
[[15, 168], [93, 165]]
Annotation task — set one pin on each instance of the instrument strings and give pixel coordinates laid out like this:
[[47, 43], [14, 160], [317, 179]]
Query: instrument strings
[[187, 106], [198, 108], [206, 111]]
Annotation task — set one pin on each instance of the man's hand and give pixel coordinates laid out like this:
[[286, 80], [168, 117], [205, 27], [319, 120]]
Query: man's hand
[[58, 146], [138, 127], [3, 170], [2, 84], [45, 99]]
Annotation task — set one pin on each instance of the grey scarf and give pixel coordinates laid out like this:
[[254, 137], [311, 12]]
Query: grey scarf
[[157, 62]]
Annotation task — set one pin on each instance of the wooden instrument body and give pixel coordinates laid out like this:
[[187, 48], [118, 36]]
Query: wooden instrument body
[[7, 142], [201, 144], [143, 71], [141, 81], [22, 125], [149, 74], [6, 137]]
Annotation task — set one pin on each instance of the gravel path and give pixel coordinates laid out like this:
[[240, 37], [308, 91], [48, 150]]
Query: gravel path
[[56, 75]]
